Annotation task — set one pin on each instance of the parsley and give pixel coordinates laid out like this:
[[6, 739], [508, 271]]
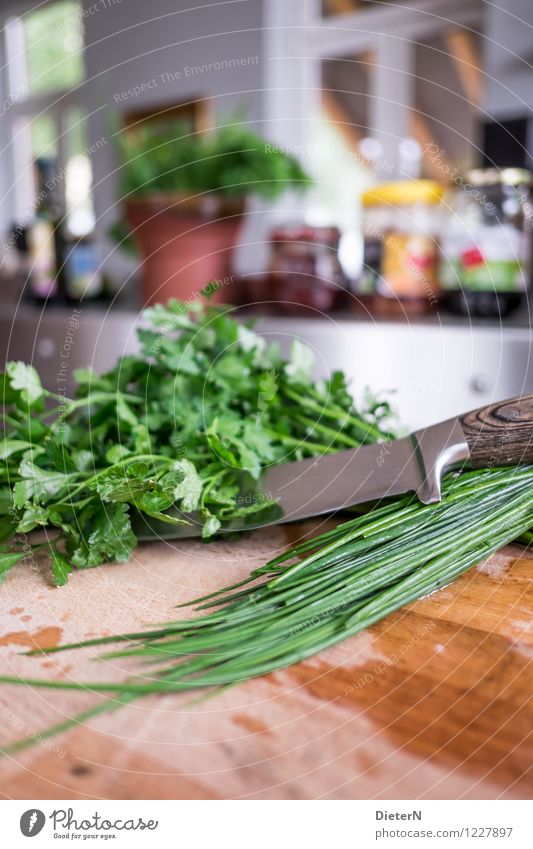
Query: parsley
[[229, 161], [186, 427]]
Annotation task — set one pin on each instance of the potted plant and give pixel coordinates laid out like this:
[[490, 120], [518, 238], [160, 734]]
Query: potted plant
[[184, 196]]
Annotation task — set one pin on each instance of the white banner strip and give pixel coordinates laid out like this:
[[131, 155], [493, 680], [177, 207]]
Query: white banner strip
[[268, 824]]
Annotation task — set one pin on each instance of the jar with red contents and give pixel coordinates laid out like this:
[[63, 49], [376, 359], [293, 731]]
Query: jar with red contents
[[305, 271]]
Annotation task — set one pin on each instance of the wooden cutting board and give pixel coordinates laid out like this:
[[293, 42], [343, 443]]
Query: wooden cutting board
[[434, 702]]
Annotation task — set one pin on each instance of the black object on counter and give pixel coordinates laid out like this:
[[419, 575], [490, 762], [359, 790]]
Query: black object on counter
[[508, 143]]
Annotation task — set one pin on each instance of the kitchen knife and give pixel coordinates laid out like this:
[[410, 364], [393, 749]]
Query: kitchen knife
[[497, 435]]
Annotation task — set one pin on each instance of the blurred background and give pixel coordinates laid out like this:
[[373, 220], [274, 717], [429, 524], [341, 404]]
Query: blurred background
[[353, 173]]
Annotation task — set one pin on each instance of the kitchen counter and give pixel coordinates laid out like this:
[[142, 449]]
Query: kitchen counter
[[433, 369], [434, 702]]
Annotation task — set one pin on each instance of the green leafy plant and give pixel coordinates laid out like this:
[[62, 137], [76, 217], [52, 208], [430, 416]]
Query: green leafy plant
[[317, 593], [231, 161], [184, 427]]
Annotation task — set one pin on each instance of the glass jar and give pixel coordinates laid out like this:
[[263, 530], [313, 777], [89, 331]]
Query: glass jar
[[485, 265], [304, 268], [401, 224]]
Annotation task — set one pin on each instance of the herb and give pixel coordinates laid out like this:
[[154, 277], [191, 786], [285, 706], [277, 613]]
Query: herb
[[320, 592], [165, 156], [188, 424]]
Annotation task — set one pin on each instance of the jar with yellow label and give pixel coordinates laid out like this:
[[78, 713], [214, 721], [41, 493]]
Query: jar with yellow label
[[401, 223]]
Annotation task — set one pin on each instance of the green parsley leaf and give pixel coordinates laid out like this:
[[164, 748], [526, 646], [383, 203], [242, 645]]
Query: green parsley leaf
[[32, 517], [12, 446], [188, 490], [25, 378], [61, 569], [211, 526], [301, 362], [7, 560]]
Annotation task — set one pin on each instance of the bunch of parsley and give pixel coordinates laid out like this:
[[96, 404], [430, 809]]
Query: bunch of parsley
[[185, 427]]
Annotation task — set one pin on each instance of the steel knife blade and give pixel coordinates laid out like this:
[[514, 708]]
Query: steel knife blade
[[331, 482]]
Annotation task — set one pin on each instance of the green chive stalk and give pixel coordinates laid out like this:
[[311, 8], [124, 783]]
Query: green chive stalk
[[319, 592]]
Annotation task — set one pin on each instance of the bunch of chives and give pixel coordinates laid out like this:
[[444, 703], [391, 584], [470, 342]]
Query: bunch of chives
[[321, 591]]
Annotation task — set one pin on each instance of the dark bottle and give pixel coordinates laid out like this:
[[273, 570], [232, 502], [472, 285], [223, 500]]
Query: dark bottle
[[485, 267], [45, 238]]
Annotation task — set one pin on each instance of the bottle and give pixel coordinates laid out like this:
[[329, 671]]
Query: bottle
[[83, 277], [45, 238], [18, 238], [485, 263]]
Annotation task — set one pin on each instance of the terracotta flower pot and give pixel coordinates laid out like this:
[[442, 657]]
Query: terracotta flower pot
[[185, 243]]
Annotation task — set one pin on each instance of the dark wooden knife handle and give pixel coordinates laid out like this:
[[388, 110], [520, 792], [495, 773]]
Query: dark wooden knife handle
[[501, 434]]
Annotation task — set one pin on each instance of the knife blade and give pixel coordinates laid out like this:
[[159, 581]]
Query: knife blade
[[332, 482]]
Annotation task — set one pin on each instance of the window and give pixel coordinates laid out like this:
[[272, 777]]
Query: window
[[38, 62], [43, 107]]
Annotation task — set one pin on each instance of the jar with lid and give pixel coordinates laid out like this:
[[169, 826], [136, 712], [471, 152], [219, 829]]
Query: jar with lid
[[485, 264], [401, 224], [304, 269]]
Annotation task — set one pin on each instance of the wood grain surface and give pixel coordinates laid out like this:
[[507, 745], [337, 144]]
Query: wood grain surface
[[434, 702], [500, 434]]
